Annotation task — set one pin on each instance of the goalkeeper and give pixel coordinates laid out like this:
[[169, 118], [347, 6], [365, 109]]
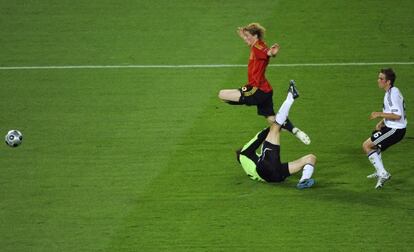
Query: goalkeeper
[[267, 166]]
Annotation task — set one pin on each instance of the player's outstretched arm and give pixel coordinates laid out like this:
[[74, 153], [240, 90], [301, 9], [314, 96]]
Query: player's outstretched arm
[[389, 116], [379, 125]]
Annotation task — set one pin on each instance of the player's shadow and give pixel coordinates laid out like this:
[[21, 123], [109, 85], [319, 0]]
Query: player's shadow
[[371, 197], [352, 187], [362, 191]]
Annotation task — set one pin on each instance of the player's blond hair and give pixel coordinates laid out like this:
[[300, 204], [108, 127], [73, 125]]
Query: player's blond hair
[[255, 29]]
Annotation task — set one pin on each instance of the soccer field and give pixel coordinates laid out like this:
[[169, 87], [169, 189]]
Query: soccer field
[[122, 153]]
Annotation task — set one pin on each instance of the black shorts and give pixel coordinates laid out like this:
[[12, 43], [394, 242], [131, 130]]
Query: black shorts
[[269, 166], [252, 96], [386, 137]]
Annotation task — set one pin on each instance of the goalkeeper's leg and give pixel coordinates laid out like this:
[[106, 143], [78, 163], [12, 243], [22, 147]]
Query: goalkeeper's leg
[[250, 148]]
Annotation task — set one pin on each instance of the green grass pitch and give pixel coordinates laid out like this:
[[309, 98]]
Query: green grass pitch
[[142, 159]]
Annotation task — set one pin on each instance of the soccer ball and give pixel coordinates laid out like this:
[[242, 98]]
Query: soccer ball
[[14, 138]]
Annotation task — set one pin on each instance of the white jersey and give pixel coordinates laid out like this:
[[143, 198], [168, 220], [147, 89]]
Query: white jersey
[[394, 103]]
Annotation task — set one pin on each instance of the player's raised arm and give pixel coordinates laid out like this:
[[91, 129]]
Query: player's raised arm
[[240, 32], [247, 38], [242, 35]]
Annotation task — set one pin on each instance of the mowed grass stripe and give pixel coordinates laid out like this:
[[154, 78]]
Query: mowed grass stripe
[[149, 204]]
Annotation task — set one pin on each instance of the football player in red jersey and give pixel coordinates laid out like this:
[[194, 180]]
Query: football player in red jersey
[[258, 91]]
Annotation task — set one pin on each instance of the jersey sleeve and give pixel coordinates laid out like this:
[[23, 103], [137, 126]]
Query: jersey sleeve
[[395, 102], [260, 51]]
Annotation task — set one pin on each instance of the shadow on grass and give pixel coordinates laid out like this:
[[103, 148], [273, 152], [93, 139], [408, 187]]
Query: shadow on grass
[[396, 193]]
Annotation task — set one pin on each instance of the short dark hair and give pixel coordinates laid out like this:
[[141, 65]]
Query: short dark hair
[[389, 75]]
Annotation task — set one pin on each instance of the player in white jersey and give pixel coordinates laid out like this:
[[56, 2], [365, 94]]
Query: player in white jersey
[[390, 130]]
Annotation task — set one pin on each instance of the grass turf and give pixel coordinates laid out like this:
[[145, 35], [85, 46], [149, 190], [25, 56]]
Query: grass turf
[[142, 159]]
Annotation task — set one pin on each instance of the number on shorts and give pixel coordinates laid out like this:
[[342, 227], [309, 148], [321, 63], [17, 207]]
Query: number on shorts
[[377, 134]]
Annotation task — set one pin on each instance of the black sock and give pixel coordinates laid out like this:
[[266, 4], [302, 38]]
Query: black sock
[[287, 125]]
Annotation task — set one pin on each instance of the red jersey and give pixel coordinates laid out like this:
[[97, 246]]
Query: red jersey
[[256, 69]]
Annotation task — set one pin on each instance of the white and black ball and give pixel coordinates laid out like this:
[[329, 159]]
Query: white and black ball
[[14, 138]]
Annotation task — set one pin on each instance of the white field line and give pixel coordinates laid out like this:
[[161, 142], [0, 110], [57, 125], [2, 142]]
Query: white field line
[[204, 66]]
